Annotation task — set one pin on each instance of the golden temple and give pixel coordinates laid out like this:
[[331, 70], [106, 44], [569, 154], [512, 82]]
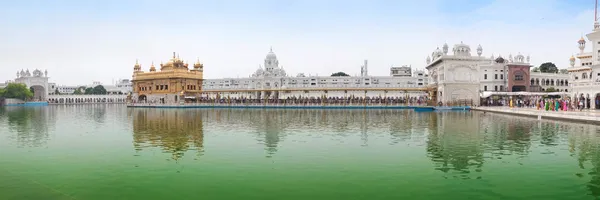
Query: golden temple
[[172, 83]]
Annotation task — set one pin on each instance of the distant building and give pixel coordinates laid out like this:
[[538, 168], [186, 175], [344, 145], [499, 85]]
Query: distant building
[[404, 71], [271, 81]]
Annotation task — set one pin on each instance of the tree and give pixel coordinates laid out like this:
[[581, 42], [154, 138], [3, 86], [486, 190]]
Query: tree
[[2, 92], [78, 91], [56, 91], [17, 91], [548, 67], [564, 71], [535, 69], [89, 90], [99, 89], [550, 89], [339, 74]]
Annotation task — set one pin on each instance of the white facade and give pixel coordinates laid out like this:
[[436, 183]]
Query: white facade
[[560, 82], [456, 75], [584, 72], [493, 76], [123, 86], [273, 76], [404, 71], [37, 80], [86, 99]]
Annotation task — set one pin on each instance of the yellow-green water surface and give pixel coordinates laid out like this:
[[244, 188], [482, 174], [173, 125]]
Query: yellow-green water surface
[[110, 152]]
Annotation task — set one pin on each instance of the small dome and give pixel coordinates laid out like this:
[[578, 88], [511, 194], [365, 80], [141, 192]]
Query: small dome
[[437, 53], [581, 41], [499, 59], [572, 58], [271, 55], [198, 65], [137, 65]]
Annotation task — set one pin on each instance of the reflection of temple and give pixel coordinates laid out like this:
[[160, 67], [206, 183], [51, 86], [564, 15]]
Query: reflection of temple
[[30, 125], [455, 142], [271, 126], [174, 131]]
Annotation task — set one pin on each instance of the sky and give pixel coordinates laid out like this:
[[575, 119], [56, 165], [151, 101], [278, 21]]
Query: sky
[[80, 42]]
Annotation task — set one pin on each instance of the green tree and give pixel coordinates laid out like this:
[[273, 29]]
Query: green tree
[[535, 69], [99, 89], [564, 71], [2, 92], [56, 91], [550, 89], [17, 91], [89, 90], [548, 67], [339, 74], [78, 92]]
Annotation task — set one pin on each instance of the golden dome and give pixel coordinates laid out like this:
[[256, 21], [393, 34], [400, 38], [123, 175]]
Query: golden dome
[[572, 58], [198, 65], [152, 68], [137, 65]]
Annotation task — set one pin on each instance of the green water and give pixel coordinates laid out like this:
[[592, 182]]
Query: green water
[[109, 152]]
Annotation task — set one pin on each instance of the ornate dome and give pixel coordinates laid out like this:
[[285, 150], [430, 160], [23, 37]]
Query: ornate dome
[[461, 49], [572, 58], [500, 59], [271, 55], [137, 65], [445, 48], [581, 41], [152, 68], [437, 53], [198, 65], [519, 58], [37, 73]]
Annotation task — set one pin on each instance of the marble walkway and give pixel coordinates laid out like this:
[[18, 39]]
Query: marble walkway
[[589, 116]]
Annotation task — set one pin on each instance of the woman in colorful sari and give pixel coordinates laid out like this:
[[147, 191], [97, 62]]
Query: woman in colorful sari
[[556, 105], [566, 105], [546, 105]]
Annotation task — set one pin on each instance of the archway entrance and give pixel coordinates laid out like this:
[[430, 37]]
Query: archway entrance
[[519, 88], [142, 98], [39, 93]]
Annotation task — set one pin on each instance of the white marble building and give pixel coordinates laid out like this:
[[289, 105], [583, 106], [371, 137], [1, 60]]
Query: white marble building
[[456, 75], [584, 72], [272, 80], [122, 86], [560, 82], [37, 80]]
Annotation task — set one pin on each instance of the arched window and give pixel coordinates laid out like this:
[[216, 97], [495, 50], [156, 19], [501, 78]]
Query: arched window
[[519, 76]]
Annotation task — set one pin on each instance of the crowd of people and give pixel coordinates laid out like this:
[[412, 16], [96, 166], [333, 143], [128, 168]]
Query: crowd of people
[[539, 103]]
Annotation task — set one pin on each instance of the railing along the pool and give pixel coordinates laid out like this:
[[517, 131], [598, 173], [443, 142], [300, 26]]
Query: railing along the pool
[[282, 105]]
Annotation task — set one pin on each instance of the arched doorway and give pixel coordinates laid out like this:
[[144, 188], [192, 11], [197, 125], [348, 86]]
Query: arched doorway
[[142, 98], [39, 93]]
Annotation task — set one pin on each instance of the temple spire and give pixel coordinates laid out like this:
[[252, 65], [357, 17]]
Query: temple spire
[[271, 48], [173, 54]]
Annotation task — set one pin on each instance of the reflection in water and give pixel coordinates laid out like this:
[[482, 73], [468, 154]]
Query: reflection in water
[[272, 126], [29, 125], [586, 146], [462, 145], [175, 131], [454, 142]]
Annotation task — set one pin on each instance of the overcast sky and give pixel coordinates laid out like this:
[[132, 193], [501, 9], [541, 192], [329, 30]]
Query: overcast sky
[[79, 42]]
